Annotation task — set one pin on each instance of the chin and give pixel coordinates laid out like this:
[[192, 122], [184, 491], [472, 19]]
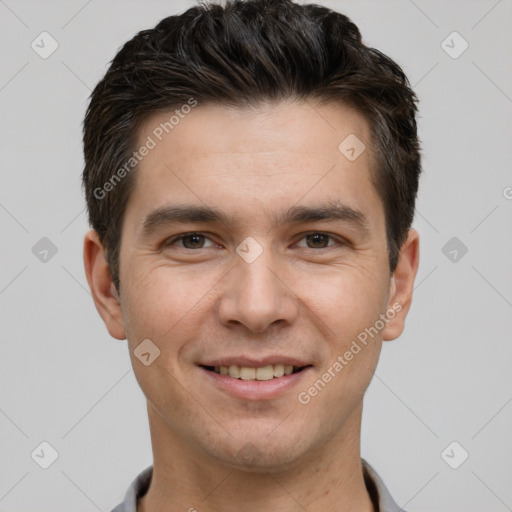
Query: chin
[[259, 454]]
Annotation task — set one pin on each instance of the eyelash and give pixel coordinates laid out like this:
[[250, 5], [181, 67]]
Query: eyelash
[[178, 238]]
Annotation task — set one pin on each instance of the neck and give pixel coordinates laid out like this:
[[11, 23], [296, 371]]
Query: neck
[[328, 478]]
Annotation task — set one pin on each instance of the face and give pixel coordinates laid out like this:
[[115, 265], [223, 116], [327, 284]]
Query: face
[[252, 246]]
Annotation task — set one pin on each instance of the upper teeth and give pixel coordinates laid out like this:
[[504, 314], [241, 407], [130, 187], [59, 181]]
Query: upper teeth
[[263, 373]]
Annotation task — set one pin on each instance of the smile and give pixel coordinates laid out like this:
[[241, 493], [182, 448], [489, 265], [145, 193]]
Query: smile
[[268, 372]]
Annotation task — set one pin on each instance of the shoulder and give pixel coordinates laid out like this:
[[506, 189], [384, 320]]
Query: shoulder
[[378, 491], [137, 489]]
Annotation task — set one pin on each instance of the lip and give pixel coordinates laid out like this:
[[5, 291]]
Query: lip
[[255, 389]]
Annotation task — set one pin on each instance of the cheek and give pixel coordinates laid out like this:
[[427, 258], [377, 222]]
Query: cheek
[[162, 304], [346, 308], [346, 300]]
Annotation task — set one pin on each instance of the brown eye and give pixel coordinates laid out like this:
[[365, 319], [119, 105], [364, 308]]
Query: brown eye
[[193, 241], [317, 241], [190, 241]]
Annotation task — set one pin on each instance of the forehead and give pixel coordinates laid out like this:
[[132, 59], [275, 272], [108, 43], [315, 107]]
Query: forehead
[[295, 127], [246, 160]]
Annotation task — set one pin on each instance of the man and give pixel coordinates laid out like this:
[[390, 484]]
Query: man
[[251, 172]]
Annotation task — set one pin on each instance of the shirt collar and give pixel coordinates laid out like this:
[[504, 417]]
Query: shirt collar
[[381, 498]]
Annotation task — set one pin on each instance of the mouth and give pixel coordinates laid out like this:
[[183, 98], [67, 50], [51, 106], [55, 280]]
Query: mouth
[[262, 373], [250, 379]]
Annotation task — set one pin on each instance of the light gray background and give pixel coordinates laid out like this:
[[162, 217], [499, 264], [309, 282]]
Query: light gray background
[[65, 381]]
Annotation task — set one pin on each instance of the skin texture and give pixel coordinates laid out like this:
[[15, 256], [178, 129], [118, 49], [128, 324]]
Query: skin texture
[[304, 298]]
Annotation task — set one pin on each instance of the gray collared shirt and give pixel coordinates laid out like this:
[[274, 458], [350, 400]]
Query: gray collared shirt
[[381, 498]]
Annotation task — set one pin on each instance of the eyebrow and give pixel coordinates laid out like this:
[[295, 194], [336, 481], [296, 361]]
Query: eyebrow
[[182, 214]]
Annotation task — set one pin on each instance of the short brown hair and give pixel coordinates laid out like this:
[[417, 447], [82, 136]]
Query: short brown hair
[[240, 54]]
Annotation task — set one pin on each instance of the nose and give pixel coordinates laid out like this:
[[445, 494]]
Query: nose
[[257, 295]]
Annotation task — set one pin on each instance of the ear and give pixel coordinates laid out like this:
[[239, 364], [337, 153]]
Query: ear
[[104, 294], [402, 285]]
